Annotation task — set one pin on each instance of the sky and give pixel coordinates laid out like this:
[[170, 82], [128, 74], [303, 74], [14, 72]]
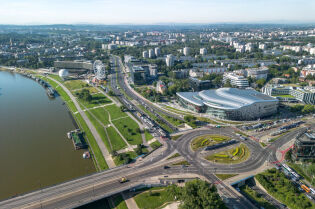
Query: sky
[[155, 11]]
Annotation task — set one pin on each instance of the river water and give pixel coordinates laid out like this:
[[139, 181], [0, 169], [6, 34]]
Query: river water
[[34, 149]]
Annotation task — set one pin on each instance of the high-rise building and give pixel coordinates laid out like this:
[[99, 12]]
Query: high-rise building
[[186, 51], [145, 54], [157, 51], [151, 53], [169, 60]]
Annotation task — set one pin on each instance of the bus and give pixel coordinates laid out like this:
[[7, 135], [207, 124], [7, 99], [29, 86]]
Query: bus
[[313, 191], [306, 189]]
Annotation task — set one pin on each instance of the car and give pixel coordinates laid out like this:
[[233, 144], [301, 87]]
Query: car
[[123, 180], [166, 167]]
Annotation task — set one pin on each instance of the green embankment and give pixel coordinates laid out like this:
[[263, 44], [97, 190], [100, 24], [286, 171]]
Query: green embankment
[[277, 185], [120, 202], [251, 194], [153, 198]]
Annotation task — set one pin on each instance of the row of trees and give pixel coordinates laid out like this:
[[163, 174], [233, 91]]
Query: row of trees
[[303, 109], [197, 194]]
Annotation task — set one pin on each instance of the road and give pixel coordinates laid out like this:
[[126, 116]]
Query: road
[[150, 107]]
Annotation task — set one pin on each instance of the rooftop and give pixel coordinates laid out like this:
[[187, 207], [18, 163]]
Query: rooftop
[[226, 98]]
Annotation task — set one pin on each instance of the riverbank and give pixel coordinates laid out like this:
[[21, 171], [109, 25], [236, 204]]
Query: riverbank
[[34, 145]]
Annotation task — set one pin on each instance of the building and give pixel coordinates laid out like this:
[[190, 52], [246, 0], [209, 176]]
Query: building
[[290, 94], [157, 51], [257, 73], [138, 75], [161, 87], [151, 53], [145, 54], [186, 51], [203, 51], [180, 74], [308, 70], [262, 46], [229, 103], [169, 60], [74, 66], [199, 85], [235, 80], [303, 95], [304, 146]]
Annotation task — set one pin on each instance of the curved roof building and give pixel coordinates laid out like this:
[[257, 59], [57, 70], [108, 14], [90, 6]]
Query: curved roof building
[[230, 103]]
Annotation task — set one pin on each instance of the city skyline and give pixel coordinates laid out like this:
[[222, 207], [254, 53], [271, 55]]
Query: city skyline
[[161, 12]]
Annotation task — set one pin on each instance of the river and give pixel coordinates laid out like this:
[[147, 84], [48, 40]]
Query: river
[[34, 149]]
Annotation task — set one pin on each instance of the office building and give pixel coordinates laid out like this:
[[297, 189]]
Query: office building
[[229, 103], [304, 146], [138, 75], [257, 73], [303, 95]]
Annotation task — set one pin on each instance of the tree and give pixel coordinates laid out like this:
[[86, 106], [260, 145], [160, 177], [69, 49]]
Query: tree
[[261, 82], [139, 149], [111, 93], [308, 109], [85, 95], [123, 108], [200, 194], [228, 84]]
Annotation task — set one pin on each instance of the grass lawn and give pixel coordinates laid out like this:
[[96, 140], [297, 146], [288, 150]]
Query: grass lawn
[[97, 100], [277, 185], [207, 120], [207, 140], [101, 115], [174, 156], [75, 84], [128, 128], [251, 194], [173, 121], [56, 77], [153, 198], [117, 142], [119, 202], [100, 130], [225, 176], [182, 163], [147, 135], [155, 144], [234, 155], [93, 145], [115, 112]]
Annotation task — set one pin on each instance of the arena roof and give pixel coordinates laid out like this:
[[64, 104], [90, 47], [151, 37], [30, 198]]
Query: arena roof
[[226, 98]]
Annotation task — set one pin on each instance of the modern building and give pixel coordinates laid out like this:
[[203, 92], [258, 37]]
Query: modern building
[[235, 80], [303, 95], [289, 93], [169, 60], [186, 51], [230, 103], [257, 73], [199, 85], [74, 66], [304, 146], [203, 51], [138, 75]]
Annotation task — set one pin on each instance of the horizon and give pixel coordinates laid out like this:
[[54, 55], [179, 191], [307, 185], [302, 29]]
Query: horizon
[[140, 12]]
